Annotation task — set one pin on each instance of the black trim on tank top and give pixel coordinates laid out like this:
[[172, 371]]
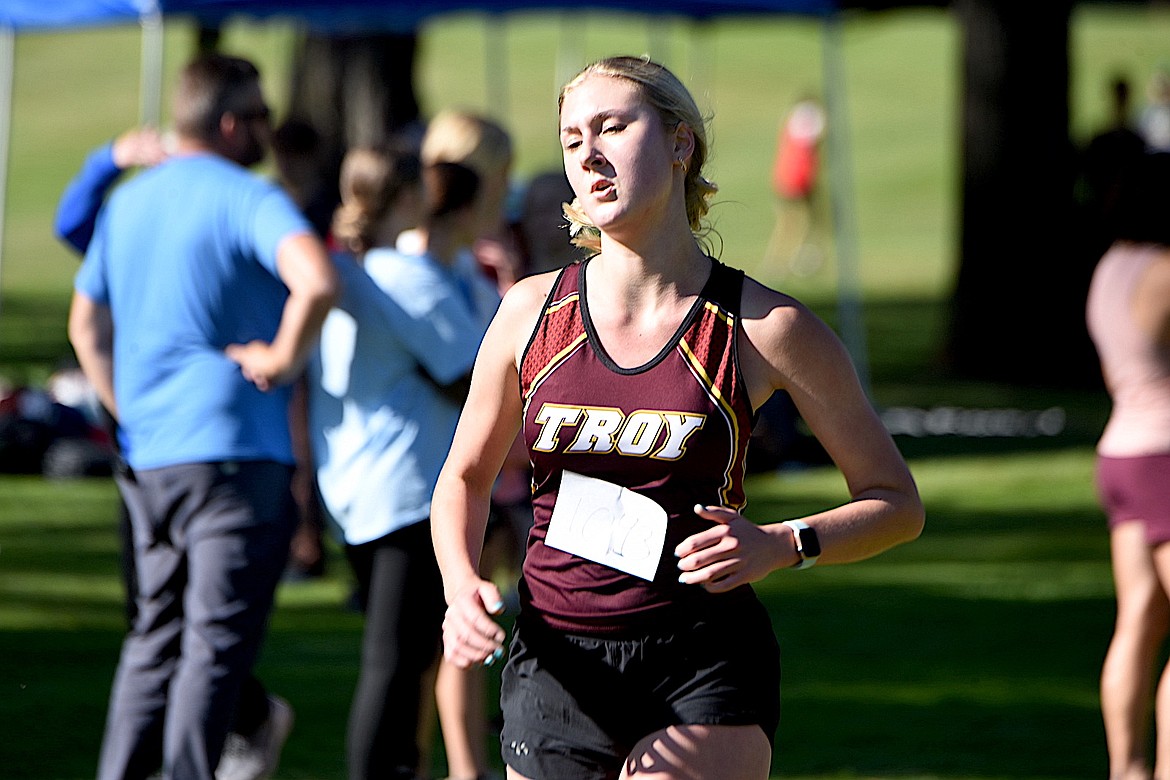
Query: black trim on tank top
[[725, 288], [731, 298], [705, 294]]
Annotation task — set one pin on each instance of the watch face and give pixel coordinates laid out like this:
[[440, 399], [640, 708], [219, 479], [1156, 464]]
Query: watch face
[[810, 545]]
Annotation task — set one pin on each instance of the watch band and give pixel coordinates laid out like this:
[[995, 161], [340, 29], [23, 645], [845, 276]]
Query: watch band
[[808, 546]]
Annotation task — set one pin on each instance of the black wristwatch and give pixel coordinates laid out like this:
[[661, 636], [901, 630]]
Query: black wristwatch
[[807, 544]]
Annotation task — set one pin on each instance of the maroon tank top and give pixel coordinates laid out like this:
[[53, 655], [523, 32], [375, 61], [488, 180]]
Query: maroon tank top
[[674, 430]]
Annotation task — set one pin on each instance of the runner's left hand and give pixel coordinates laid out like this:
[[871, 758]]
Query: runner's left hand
[[734, 552]]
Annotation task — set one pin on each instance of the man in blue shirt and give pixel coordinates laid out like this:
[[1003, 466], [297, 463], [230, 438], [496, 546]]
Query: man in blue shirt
[[261, 720], [199, 299]]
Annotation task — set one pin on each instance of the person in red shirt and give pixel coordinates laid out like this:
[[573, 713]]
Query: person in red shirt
[[795, 171]]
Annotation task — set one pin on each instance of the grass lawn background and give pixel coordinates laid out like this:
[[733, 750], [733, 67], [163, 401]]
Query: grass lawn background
[[972, 653]]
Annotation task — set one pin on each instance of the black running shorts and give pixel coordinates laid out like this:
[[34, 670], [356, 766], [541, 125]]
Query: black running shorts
[[574, 706]]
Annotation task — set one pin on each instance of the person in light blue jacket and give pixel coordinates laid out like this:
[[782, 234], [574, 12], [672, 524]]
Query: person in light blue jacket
[[385, 391]]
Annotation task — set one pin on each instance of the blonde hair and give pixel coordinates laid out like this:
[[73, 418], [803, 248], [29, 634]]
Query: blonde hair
[[468, 139], [372, 179], [662, 90]]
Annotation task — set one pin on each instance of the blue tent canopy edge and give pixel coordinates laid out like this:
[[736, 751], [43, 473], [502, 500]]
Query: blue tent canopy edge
[[355, 15]]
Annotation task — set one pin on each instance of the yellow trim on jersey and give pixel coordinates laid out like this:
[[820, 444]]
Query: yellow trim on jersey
[[553, 363], [720, 312], [708, 384], [556, 305]]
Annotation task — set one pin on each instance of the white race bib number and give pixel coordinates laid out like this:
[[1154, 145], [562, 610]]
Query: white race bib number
[[607, 524]]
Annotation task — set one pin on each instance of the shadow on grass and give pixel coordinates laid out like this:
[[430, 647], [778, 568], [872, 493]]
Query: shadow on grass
[[53, 692], [33, 336], [54, 687], [896, 681]]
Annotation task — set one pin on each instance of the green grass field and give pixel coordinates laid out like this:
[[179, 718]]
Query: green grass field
[[971, 654]]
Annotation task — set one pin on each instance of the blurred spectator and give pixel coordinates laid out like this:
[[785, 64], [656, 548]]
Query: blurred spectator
[[1154, 120], [68, 385], [1106, 156], [74, 223], [204, 429], [386, 388], [778, 440], [483, 146], [41, 433], [1128, 316], [297, 151], [486, 148], [541, 226], [794, 178]]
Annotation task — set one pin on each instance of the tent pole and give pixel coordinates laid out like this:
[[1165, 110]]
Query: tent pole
[[496, 66], [849, 313], [570, 51], [7, 67], [150, 75]]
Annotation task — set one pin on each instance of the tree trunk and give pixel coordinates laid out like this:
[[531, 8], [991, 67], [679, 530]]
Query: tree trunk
[[353, 90], [1017, 309]]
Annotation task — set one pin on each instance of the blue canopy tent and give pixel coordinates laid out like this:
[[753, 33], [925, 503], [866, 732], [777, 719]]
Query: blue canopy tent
[[353, 16], [337, 15]]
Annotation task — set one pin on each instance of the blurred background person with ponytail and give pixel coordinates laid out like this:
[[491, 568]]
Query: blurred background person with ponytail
[[385, 391]]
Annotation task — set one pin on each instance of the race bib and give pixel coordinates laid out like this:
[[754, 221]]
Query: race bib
[[607, 524]]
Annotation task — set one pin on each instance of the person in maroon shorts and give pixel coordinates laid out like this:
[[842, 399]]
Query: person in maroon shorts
[[1128, 315], [640, 646]]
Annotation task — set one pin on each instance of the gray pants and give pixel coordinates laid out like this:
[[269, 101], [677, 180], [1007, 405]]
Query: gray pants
[[210, 543]]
